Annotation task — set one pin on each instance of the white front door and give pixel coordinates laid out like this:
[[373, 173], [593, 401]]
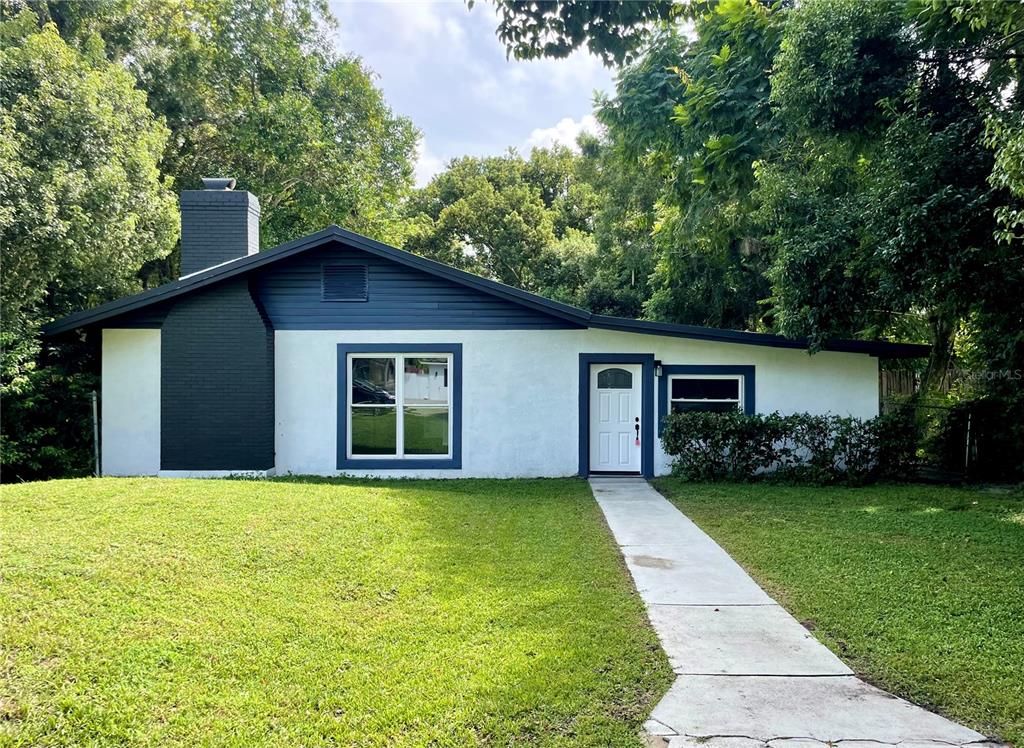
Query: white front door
[[615, 426]]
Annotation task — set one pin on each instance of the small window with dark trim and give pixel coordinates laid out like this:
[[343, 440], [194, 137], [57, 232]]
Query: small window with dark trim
[[344, 283], [717, 394]]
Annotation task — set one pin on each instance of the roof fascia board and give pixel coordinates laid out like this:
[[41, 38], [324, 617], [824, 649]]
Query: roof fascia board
[[882, 349]]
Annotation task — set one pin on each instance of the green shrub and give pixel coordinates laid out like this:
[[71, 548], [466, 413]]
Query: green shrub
[[801, 448], [46, 429], [898, 434], [717, 446]]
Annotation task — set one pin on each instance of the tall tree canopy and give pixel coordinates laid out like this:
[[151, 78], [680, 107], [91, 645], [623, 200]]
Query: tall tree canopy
[[107, 109], [623, 229], [82, 206], [255, 90], [82, 202], [524, 222], [828, 168], [884, 158], [695, 110], [610, 29]]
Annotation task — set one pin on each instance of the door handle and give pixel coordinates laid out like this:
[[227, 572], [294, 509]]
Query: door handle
[[637, 427]]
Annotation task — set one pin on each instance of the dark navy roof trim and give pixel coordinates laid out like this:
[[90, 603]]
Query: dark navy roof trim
[[881, 348], [557, 309]]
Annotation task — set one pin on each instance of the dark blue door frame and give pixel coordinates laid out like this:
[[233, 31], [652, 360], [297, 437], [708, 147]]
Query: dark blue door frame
[[647, 406]]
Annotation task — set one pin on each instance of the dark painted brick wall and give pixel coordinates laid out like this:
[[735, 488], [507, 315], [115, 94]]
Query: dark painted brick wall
[[217, 382], [217, 226]]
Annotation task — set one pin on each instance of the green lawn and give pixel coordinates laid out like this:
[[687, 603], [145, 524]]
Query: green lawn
[[920, 589], [181, 613]]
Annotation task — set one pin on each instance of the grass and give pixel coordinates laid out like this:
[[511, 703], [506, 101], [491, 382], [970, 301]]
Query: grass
[[315, 613], [920, 589]]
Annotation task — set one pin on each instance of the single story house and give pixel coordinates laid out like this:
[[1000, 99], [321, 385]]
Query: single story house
[[336, 354]]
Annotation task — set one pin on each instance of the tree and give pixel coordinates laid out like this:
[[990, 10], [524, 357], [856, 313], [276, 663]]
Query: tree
[[827, 168], [880, 208], [571, 226], [82, 205], [991, 33], [623, 226], [696, 112], [567, 268], [481, 215], [610, 29], [507, 218], [837, 62], [255, 91], [108, 104], [1005, 135], [105, 106]]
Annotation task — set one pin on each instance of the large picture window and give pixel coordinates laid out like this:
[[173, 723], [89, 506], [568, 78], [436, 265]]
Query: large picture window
[[400, 406]]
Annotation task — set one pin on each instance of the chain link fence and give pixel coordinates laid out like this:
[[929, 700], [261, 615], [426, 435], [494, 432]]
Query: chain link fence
[[974, 437]]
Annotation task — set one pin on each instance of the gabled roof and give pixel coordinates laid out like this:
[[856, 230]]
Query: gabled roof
[[557, 309], [231, 269]]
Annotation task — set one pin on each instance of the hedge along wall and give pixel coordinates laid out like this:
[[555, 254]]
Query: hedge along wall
[[799, 448]]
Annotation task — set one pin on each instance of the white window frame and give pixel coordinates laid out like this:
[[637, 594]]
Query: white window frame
[[739, 378], [399, 406]]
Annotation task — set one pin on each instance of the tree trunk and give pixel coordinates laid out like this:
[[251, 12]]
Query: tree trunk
[[942, 329]]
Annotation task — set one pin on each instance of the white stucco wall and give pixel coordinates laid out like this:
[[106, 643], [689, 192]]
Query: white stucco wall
[[130, 402], [520, 392]]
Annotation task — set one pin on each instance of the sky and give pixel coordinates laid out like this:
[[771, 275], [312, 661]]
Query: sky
[[441, 65]]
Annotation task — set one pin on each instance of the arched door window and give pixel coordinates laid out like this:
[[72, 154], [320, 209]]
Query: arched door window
[[614, 379]]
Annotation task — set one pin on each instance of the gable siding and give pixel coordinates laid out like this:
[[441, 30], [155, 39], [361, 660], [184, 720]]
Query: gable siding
[[399, 297]]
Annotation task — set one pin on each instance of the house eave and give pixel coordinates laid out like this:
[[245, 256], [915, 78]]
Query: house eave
[[573, 315], [877, 348]]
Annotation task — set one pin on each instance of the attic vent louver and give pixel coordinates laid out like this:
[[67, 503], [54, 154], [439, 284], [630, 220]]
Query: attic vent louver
[[344, 283]]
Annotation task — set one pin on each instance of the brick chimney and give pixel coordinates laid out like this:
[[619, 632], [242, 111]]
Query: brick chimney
[[217, 225]]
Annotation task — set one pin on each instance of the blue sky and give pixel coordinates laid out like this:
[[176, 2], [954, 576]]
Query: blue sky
[[441, 65]]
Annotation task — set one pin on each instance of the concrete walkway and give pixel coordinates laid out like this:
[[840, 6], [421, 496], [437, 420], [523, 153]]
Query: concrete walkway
[[747, 672]]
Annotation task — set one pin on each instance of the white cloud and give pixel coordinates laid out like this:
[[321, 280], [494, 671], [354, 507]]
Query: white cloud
[[427, 164], [441, 65], [563, 133], [454, 32], [579, 71], [411, 27], [518, 76], [414, 20]]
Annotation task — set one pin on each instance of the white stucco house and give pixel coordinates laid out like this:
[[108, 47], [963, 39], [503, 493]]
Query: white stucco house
[[335, 354]]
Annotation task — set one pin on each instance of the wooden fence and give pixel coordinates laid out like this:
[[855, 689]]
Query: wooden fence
[[895, 385]]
